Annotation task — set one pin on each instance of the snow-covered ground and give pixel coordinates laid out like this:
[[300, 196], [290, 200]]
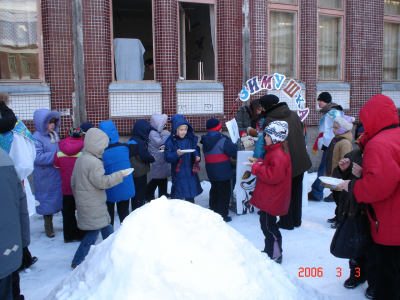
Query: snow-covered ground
[[304, 248]]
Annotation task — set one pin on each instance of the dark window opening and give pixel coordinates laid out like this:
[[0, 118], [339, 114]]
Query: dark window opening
[[133, 40], [196, 41]]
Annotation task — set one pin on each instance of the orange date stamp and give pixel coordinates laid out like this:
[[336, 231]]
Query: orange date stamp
[[319, 272]]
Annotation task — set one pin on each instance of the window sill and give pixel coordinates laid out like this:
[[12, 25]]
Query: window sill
[[391, 86], [33, 89], [333, 86], [148, 86], [199, 86]]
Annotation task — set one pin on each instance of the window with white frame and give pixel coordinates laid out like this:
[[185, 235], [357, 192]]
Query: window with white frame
[[391, 40], [133, 40], [283, 37], [330, 39], [197, 59], [19, 43]]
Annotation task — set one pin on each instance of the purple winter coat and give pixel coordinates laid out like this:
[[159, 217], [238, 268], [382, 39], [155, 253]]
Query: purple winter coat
[[160, 168], [46, 178]]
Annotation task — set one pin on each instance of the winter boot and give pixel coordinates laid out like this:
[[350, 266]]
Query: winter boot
[[357, 275], [48, 226]]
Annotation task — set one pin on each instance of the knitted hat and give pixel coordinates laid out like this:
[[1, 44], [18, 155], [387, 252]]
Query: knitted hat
[[86, 126], [345, 123], [74, 132], [213, 125], [268, 100], [325, 97], [277, 130]]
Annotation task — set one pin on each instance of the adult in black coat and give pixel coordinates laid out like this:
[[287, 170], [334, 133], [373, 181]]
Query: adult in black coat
[[301, 162], [7, 116]]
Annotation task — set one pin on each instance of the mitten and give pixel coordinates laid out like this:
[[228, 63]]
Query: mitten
[[196, 167], [253, 132], [178, 166]]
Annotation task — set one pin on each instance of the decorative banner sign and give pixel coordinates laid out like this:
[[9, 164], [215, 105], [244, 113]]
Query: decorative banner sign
[[277, 81]]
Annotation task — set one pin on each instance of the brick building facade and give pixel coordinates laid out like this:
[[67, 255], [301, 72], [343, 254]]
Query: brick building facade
[[77, 59]]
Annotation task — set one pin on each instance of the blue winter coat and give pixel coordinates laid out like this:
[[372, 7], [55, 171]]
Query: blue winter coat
[[116, 158], [46, 177], [140, 134], [218, 149], [186, 184]]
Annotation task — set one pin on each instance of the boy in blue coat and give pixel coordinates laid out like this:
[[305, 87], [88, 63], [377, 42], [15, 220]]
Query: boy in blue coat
[[184, 165], [218, 150], [116, 157]]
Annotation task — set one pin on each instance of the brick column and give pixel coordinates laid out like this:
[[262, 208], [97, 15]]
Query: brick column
[[166, 51], [58, 55], [364, 50], [96, 25], [229, 43], [308, 55]]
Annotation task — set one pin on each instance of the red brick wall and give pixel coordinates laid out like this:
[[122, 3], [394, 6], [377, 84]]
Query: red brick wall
[[97, 58], [58, 55], [364, 48], [308, 55]]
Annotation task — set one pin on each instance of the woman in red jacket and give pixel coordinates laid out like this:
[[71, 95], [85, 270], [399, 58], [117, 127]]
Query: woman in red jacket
[[380, 186], [273, 188]]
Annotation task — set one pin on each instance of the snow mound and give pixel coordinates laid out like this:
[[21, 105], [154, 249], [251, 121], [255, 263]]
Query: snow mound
[[172, 249]]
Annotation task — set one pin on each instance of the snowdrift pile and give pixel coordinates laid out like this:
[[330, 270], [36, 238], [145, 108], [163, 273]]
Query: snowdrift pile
[[172, 249]]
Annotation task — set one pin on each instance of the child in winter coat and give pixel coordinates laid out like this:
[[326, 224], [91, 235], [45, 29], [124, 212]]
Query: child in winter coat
[[218, 148], [46, 178], [116, 157], [69, 149], [141, 162], [273, 188], [160, 168], [184, 165], [88, 184], [338, 148]]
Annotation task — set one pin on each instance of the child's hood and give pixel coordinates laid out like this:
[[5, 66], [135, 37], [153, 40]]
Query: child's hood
[[109, 128], [179, 120], [42, 117], [210, 140], [141, 129], [95, 142], [70, 146], [158, 121]]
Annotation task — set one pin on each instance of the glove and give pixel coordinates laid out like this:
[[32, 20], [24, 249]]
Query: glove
[[196, 167], [253, 132]]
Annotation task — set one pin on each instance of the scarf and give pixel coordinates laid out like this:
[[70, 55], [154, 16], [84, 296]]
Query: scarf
[[327, 108], [329, 155]]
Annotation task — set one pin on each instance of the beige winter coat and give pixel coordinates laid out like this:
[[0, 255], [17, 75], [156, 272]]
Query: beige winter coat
[[89, 182], [341, 148]]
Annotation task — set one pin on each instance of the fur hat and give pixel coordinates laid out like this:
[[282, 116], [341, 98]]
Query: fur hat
[[213, 125], [345, 123], [86, 126], [268, 100], [74, 132], [4, 98], [325, 97], [278, 131]]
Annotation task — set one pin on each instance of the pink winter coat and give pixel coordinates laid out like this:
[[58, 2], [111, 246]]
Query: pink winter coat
[[67, 153]]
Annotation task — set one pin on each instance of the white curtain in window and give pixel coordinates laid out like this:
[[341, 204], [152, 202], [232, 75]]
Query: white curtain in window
[[392, 7], [18, 22], [282, 41], [212, 25], [329, 47], [391, 50], [330, 3]]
